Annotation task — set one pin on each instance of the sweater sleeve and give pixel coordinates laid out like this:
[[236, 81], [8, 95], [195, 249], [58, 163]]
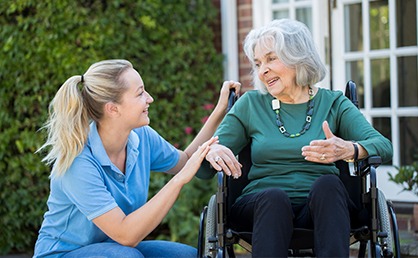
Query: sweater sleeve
[[232, 132], [354, 126]]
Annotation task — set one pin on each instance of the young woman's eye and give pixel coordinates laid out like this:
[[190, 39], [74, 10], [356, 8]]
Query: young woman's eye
[[257, 65]]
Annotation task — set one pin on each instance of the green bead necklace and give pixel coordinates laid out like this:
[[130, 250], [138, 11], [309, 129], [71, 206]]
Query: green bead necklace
[[309, 113]]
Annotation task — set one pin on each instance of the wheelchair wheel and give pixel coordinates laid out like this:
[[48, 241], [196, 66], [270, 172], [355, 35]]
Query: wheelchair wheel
[[210, 232], [387, 243]]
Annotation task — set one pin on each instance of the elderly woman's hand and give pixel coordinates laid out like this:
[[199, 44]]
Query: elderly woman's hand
[[222, 158], [329, 150]]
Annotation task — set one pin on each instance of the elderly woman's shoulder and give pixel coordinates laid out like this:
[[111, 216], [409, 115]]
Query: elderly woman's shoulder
[[334, 97], [252, 94], [252, 98], [327, 93]]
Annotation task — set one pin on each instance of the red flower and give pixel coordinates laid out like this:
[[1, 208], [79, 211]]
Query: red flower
[[208, 106], [188, 130], [204, 119]]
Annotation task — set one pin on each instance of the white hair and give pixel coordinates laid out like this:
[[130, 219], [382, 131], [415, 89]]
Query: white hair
[[292, 42]]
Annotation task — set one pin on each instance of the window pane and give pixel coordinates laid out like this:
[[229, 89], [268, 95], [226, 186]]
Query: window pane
[[407, 81], [281, 14], [379, 24], [380, 74], [408, 139], [406, 23], [354, 71], [353, 25], [382, 124], [305, 15], [280, 1]]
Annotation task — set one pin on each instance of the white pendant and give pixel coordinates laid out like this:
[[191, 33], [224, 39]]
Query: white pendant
[[275, 103]]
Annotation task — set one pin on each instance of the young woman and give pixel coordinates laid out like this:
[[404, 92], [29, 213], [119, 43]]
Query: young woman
[[102, 151]]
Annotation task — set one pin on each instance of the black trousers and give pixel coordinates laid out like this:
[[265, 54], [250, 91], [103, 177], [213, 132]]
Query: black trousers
[[271, 217]]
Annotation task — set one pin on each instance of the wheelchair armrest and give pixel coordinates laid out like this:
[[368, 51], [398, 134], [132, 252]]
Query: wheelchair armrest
[[365, 165], [370, 161]]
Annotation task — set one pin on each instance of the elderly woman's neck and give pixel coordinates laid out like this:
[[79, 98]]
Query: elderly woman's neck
[[300, 94]]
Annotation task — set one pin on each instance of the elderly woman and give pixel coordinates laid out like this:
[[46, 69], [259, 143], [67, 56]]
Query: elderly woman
[[292, 125]]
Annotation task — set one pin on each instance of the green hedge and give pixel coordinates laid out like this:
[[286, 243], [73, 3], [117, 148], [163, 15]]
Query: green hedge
[[42, 43]]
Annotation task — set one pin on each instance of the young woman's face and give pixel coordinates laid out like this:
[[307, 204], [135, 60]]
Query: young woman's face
[[279, 79], [135, 101]]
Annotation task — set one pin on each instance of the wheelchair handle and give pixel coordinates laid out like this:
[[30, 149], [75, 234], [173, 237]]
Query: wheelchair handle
[[231, 99], [351, 92]]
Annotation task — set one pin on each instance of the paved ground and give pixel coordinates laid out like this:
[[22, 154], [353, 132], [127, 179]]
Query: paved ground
[[409, 244], [409, 247]]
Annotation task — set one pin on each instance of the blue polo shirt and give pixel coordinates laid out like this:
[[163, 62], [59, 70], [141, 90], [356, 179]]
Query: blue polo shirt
[[93, 186]]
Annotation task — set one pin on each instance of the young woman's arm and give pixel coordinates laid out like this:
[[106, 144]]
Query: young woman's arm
[[210, 126], [131, 229]]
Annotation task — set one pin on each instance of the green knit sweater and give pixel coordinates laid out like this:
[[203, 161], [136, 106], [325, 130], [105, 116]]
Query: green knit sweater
[[277, 160]]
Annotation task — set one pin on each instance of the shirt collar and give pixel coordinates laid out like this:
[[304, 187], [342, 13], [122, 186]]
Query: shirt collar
[[97, 149], [96, 146]]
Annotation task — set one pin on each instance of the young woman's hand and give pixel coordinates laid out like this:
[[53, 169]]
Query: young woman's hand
[[224, 94], [189, 170]]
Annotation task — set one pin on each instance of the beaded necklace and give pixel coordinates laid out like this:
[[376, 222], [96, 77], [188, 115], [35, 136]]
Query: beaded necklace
[[276, 108]]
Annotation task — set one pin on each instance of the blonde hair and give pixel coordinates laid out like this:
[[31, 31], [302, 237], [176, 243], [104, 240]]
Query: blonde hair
[[292, 42], [72, 109]]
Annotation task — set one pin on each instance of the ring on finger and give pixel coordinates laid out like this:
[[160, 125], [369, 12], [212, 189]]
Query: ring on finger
[[322, 156], [217, 158]]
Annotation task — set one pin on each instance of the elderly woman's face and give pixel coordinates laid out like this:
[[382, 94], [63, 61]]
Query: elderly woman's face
[[277, 77]]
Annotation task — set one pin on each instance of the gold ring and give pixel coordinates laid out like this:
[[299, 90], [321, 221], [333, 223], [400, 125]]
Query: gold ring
[[322, 156]]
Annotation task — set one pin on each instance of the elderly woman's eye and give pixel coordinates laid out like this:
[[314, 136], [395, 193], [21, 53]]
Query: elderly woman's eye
[[272, 58]]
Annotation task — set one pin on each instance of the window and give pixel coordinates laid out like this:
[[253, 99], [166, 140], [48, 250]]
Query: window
[[300, 10], [379, 51], [374, 43]]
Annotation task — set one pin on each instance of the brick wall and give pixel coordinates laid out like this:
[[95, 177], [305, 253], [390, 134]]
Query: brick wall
[[245, 24], [406, 216]]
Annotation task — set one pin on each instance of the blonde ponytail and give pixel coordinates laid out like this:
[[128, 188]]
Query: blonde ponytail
[[67, 127], [72, 109]]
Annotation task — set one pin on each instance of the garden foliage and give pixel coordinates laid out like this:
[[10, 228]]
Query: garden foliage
[[42, 43], [407, 177]]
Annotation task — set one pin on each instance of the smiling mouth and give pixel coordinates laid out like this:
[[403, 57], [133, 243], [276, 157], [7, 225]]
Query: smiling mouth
[[272, 81]]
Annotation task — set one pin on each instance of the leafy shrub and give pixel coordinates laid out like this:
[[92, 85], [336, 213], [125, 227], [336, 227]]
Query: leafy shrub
[[45, 42], [407, 177]]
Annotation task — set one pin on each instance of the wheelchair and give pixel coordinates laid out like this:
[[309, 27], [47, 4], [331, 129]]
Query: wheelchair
[[376, 233]]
